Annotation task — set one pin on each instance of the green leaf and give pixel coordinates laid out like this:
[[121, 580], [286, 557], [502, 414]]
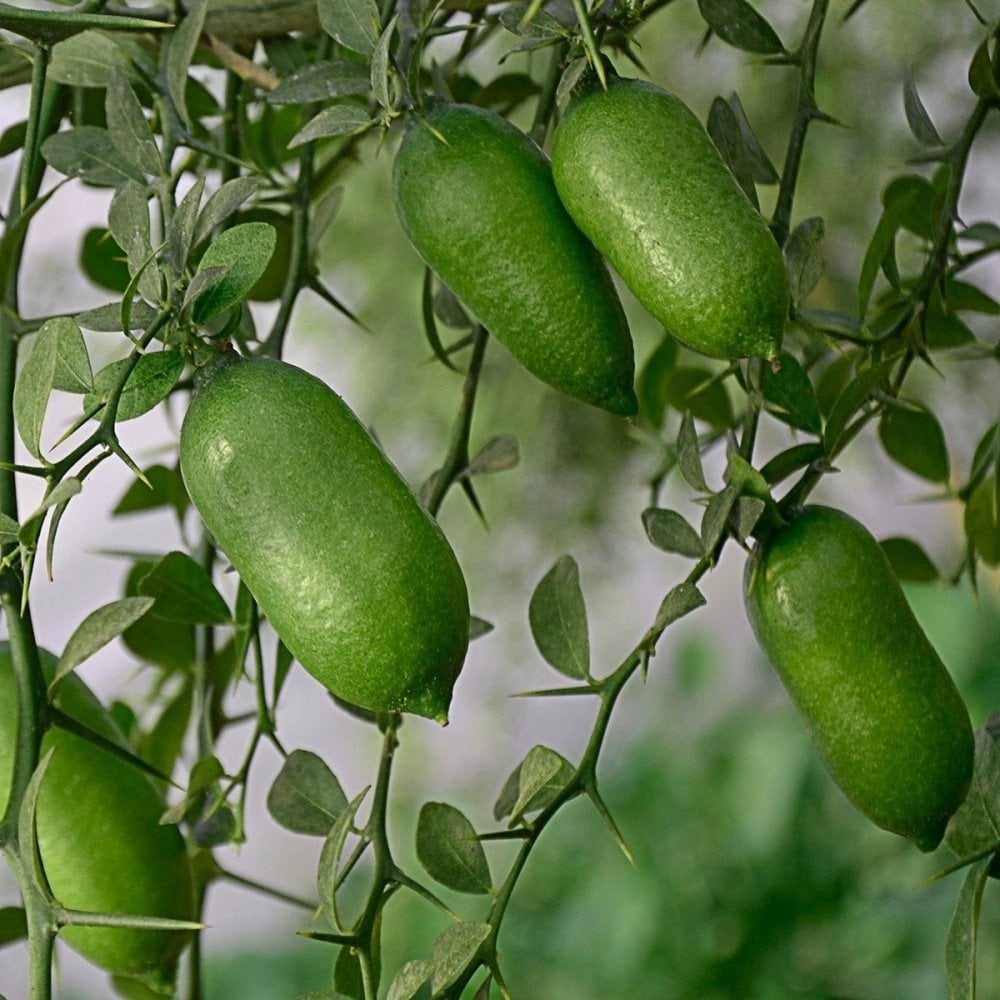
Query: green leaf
[[960, 945], [669, 531], [178, 53], [382, 72], [804, 257], [347, 976], [499, 454], [791, 460], [716, 516], [407, 982], [541, 25], [73, 372], [128, 219], [450, 851], [701, 392], [916, 114], [854, 395], [982, 522], [244, 251], [982, 78], [184, 592], [761, 167], [161, 747], [882, 243], [9, 529], [127, 125], [180, 232], [737, 23], [88, 59], [353, 23], [912, 436], [338, 119], [87, 152], [455, 949], [306, 796], [689, 455], [169, 645], [328, 874], [652, 382], [221, 204], [975, 825], [98, 629], [725, 132], [34, 385], [13, 924], [537, 780], [789, 395], [163, 488], [32, 524], [908, 560], [149, 383], [322, 80], [558, 617]]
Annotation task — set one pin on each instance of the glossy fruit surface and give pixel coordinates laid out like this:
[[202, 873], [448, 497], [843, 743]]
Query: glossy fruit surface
[[876, 698], [475, 197], [99, 834], [640, 176], [351, 571]]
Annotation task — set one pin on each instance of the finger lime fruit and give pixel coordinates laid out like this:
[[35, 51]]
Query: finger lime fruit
[[877, 700], [354, 575], [475, 197], [245, 20], [640, 176], [99, 834]]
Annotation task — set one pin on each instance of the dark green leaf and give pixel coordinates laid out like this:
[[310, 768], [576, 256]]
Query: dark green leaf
[[689, 455], [353, 23], [244, 251], [975, 825], [882, 243], [13, 924], [347, 976], [103, 261], [164, 488], [306, 796], [682, 600], [725, 132], [87, 152], [747, 514], [9, 529], [916, 114], [149, 383], [652, 382], [804, 257], [791, 460], [854, 395], [982, 78], [789, 395], [184, 592], [762, 168], [908, 560], [161, 746], [701, 392], [737, 23], [558, 617], [982, 522], [454, 950], [964, 297], [912, 436], [960, 945], [669, 531], [450, 851]]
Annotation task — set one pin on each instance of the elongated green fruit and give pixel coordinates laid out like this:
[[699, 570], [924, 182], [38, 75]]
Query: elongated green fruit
[[640, 176], [876, 698], [99, 835], [475, 197], [351, 571]]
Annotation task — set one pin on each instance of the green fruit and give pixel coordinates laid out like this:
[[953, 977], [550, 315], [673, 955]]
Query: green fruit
[[640, 176], [352, 572], [475, 197], [99, 834], [876, 698]]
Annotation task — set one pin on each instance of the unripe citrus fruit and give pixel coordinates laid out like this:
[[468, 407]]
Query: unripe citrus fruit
[[876, 698], [640, 176], [475, 197], [354, 575], [99, 834]]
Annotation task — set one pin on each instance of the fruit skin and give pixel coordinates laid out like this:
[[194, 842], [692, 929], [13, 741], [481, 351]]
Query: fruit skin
[[99, 834], [352, 572], [481, 210], [877, 700], [640, 176]]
